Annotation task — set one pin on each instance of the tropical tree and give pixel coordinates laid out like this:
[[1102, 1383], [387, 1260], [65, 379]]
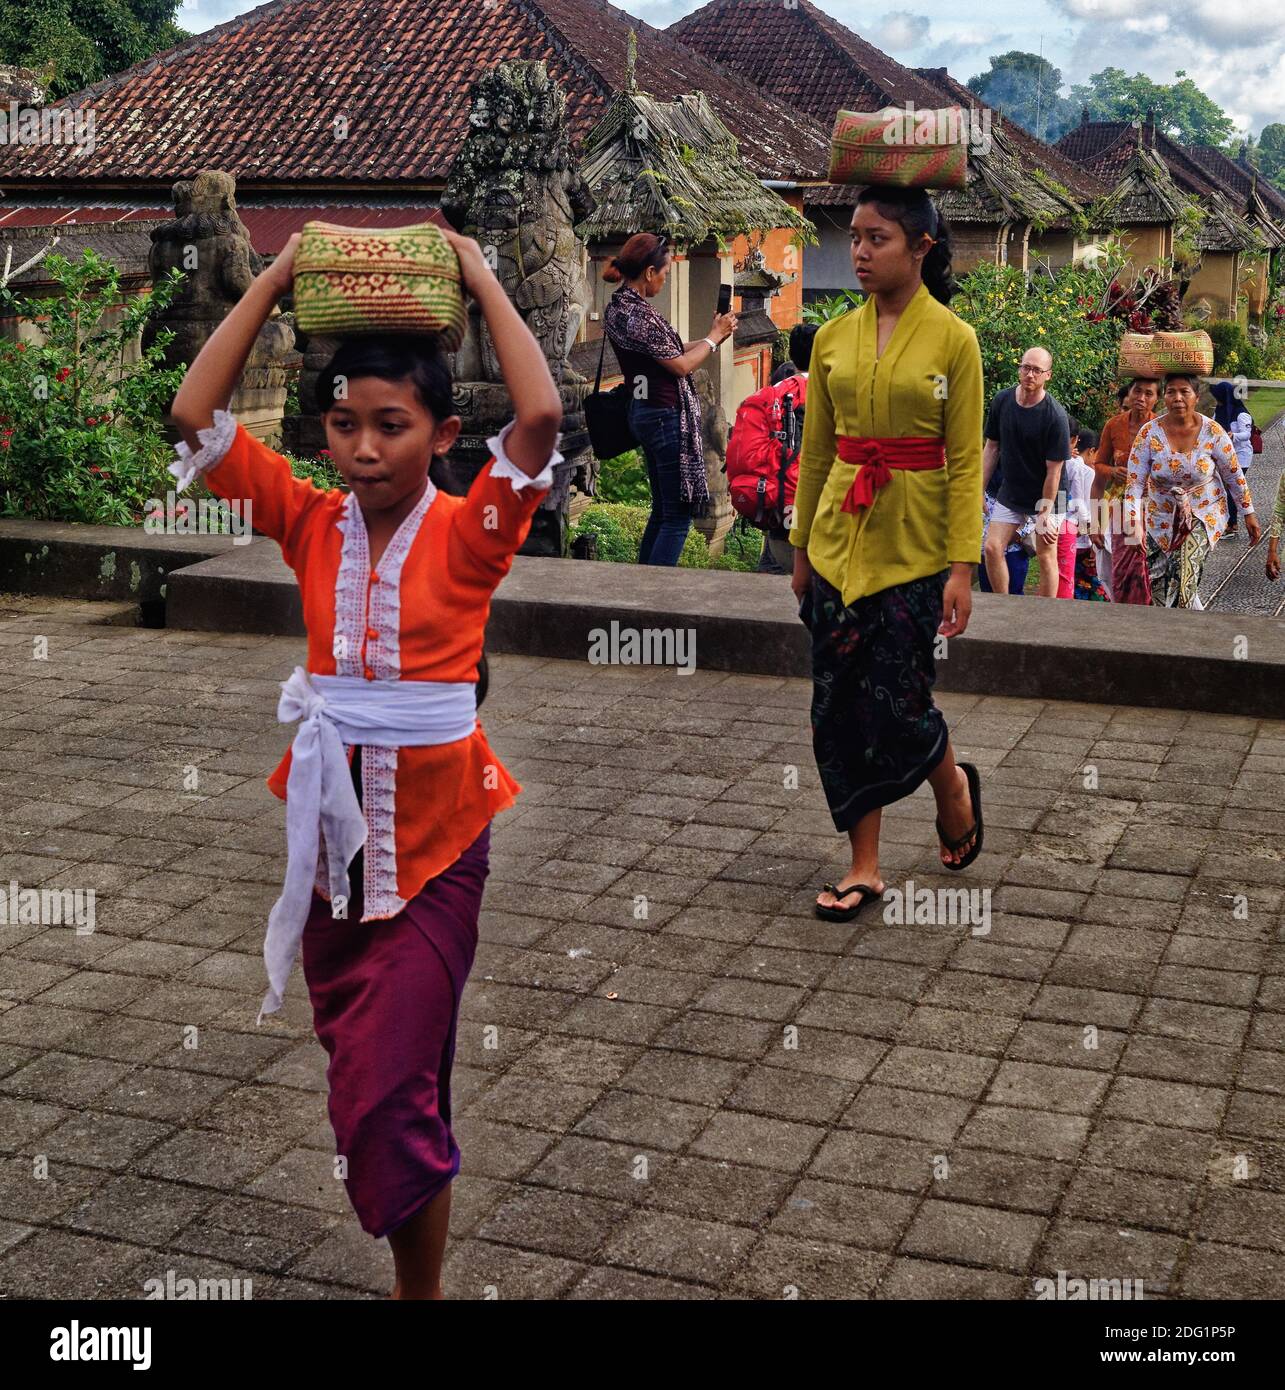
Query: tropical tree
[[73, 43], [1027, 89], [1180, 108]]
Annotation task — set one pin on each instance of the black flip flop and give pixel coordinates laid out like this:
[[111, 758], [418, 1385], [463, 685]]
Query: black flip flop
[[975, 833], [845, 914]]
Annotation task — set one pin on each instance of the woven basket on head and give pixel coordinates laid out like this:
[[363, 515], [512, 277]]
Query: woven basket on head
[[350, 280]]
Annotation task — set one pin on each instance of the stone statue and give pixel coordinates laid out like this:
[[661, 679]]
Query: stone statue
[[515, 189], [209, 243], [713, 432]]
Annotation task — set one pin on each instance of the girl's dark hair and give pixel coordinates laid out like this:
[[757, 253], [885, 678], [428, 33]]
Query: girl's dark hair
[[392, 357], [641, 250], [918, 215]]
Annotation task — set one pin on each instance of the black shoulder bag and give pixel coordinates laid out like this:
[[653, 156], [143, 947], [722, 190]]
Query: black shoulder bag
[[607, 415]]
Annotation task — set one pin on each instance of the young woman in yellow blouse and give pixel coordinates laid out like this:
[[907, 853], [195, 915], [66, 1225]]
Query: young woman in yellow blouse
[[888, 530]]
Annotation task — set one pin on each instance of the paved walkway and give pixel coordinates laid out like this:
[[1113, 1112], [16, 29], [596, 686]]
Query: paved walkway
[[724, 1099], [1235, 579]]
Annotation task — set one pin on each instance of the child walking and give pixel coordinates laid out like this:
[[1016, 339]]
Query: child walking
[[390, 784]]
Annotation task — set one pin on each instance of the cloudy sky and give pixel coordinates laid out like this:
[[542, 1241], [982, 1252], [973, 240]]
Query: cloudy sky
[[1234, 53]]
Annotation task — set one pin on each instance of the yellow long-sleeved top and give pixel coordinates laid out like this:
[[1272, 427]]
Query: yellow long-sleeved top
[[927, 384]]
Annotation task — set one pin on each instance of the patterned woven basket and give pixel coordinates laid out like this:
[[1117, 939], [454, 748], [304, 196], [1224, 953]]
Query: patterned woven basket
[[1183, 352], [1153, 354], [926, 150], [350, 280], [1135, 356]]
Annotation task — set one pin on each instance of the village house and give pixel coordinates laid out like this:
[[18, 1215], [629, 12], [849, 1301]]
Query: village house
[[1173, 203]]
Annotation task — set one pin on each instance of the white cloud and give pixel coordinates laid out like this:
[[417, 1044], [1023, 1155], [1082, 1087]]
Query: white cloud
[[900, 31], [1196, 24]]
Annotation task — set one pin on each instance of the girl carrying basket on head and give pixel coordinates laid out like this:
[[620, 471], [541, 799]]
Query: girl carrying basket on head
[[387, 854], [887, 525]]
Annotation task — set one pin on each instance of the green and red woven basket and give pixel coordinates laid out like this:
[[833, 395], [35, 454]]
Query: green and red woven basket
[[355, 280], [889, 147]]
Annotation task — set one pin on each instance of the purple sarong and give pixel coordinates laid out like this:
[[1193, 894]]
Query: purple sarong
[[385, 1002]]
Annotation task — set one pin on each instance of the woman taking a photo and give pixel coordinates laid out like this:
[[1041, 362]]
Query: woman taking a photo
[[1182, 470], [888, 535], [663, 411]]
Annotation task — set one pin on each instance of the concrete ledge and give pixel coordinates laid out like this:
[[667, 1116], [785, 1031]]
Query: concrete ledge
[[99, 562], [249, 588], [1028, 647]]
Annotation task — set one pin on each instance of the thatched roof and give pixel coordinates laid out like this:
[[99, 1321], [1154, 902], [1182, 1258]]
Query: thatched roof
[[682, 175], [1144, 195]]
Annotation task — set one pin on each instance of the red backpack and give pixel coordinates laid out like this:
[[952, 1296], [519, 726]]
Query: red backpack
[[763, 452]]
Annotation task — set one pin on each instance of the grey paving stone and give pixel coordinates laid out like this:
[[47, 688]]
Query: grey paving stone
[[923, 1279], [1036, 1133], [1074, 1090], [1088, 1250], [1130, 1199], [965, 1234], [1006, 1180], [681, 1247]]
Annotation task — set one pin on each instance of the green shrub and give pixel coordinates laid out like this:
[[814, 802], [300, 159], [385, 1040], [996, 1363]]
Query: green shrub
[[320, 471], [821, 311], [1234, 354], [81, 434], [624, 479], [619, 530], [741, 548], [1009, 316]]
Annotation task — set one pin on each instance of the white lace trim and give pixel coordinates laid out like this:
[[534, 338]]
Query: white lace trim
[[379, 798], [350, 590], [504, 467], [384, 654], [215, 441], [383, 657]]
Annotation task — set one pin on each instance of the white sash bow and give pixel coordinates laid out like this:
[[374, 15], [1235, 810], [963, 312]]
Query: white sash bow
[[321, 801]]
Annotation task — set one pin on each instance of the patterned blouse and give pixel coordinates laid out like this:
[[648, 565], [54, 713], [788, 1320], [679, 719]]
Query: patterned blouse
[[1205, 475]]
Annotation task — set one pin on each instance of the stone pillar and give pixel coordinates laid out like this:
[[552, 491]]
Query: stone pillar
[[708, 269]]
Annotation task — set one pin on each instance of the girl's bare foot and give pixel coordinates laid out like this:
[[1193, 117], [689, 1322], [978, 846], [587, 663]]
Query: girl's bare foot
[[956, 817], [869, 878]]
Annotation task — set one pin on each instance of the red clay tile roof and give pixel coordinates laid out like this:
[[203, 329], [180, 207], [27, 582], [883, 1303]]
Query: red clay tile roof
[[1109, 149], [259, 95], [269, 227], [1107, 146], [1240, 176], [802, 55]]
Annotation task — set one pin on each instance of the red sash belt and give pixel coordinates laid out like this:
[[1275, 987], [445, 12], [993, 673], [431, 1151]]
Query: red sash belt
[[878, 457]]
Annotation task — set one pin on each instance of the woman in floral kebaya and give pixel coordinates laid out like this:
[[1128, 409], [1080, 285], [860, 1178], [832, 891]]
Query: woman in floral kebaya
[[1182, 469]]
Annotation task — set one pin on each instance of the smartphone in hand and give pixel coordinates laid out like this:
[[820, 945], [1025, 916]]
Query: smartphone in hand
[[724, 298]]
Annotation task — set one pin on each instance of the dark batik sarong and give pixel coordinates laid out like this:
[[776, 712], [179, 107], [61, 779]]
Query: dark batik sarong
[[875, 731], [385, 1002]]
